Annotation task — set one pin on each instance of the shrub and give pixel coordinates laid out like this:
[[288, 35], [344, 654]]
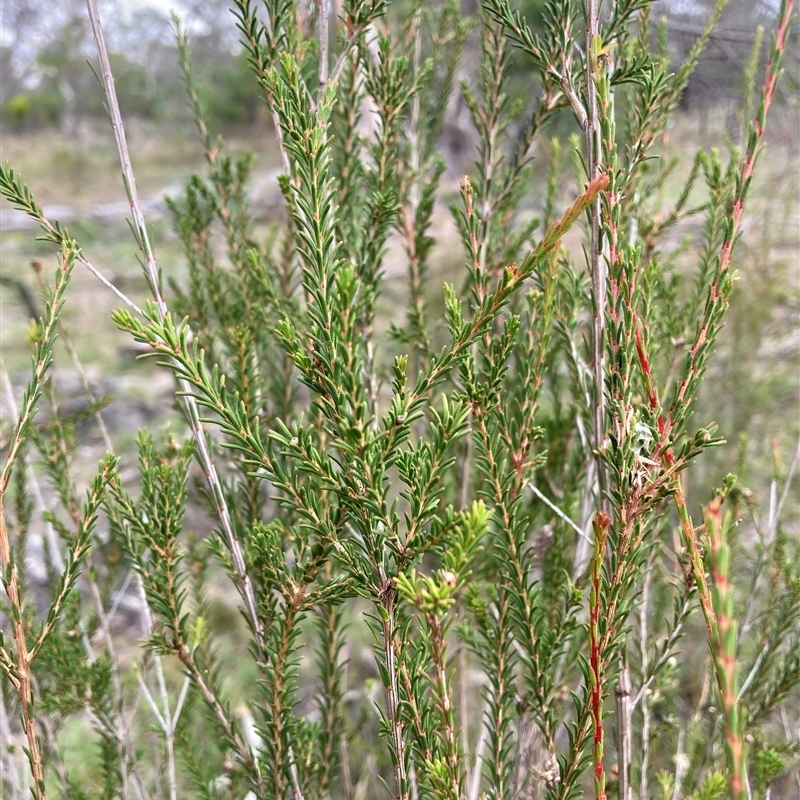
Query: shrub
[[40, 107], [495, 498], [19, 108]]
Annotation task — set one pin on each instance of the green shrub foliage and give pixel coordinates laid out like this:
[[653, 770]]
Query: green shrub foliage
[[453, 517]]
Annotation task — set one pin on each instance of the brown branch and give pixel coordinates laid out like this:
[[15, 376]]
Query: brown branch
[[21, 676], [598, 267], [245, 585]]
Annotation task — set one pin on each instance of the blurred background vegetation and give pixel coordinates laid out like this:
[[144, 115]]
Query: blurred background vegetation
[[45, 82]]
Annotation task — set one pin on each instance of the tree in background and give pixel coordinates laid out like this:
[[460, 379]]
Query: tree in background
[[46, 80]]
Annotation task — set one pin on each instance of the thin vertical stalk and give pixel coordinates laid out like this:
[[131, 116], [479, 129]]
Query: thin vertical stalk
[[624, 721], [330, 696], [21, 676], [492, 126], [446, 701], [601, 526], [238, 743], [245, 585], [52, 537], [9, 758], [679, 764], [344, 761], [598, 267], [409, 210], [324, 42], [463, 709], [695, 558], [725, 650], [166, 721], [602, 68], [644, 611], [599, 118], [388, 611]]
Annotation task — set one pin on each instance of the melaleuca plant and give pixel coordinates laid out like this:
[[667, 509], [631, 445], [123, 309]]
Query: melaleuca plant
[[482, 483]]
